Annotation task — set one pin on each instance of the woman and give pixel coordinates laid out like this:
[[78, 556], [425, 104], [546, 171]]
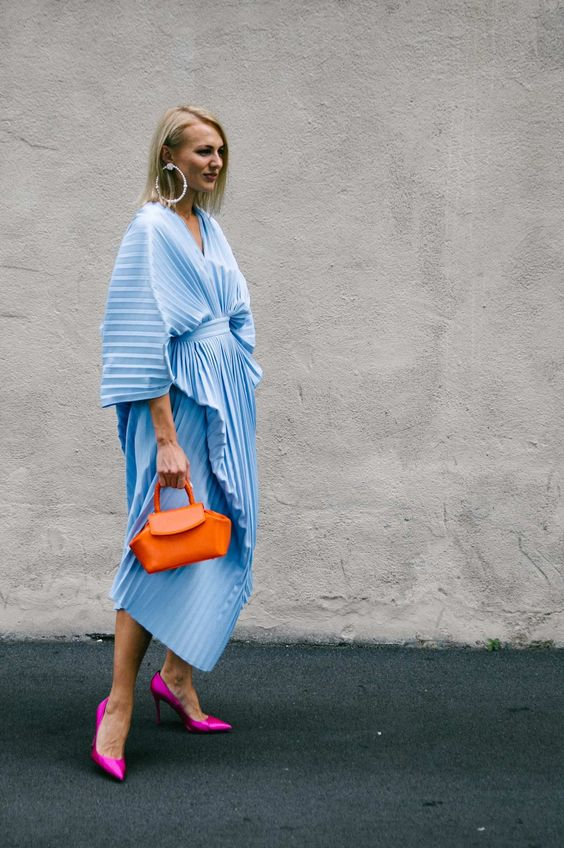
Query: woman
[[178, 337]]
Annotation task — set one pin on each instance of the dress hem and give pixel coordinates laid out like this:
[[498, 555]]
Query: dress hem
[[155, 634]]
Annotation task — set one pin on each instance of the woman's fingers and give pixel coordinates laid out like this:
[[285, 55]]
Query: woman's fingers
[[173, 466]]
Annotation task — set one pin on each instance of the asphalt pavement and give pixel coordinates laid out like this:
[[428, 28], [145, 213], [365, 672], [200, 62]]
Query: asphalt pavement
[[341, 745]]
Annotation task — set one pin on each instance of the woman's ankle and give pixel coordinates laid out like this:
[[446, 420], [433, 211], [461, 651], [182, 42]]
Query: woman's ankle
[[177, 677], [120, 702]]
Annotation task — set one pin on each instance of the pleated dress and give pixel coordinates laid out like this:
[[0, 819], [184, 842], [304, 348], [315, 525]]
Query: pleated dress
[[178, 320]]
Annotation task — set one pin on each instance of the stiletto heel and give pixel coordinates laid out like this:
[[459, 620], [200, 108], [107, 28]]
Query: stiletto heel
[[112, 765], [160, 691], [158, 706]]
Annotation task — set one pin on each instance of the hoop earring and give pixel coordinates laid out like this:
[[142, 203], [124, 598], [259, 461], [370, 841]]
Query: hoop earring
[[169, 167]]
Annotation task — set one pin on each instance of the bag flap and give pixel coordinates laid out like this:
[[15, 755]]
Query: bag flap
[[176, 520]]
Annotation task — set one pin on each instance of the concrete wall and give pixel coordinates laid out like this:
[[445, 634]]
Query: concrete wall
[[396, 205]]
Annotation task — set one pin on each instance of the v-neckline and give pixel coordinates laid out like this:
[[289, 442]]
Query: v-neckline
[[202, 249], [196, 210]]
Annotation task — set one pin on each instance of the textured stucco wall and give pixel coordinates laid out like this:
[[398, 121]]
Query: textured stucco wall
[[396, 205]]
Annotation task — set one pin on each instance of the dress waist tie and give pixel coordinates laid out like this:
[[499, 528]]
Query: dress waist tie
[[214, 327]]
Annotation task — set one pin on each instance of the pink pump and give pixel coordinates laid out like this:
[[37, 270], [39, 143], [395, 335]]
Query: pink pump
[[115, 767], [160, 691]]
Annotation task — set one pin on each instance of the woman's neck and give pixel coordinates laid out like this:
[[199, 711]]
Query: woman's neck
[[185, 208]]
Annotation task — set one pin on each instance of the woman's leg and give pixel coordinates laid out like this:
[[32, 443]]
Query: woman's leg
[[131, 643], [177, 674]]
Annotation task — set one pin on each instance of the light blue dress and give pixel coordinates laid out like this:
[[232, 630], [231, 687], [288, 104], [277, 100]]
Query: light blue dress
[[180, 320]]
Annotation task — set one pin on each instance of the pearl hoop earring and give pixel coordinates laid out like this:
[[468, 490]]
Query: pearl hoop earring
[[169, 167]]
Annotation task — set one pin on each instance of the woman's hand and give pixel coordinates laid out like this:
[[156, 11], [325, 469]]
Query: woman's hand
[[173, 466]]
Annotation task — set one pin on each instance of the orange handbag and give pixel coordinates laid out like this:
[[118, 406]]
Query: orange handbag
[[181, 536]]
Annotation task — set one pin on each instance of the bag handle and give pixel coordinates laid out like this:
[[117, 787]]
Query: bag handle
[[187, 486]]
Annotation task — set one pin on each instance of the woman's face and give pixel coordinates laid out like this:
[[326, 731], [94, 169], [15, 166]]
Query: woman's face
[[201, 154]]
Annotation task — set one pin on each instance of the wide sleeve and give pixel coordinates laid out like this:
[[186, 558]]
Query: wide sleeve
[[135, 335]]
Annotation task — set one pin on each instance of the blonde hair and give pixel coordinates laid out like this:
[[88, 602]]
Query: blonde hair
[[170, 131]]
